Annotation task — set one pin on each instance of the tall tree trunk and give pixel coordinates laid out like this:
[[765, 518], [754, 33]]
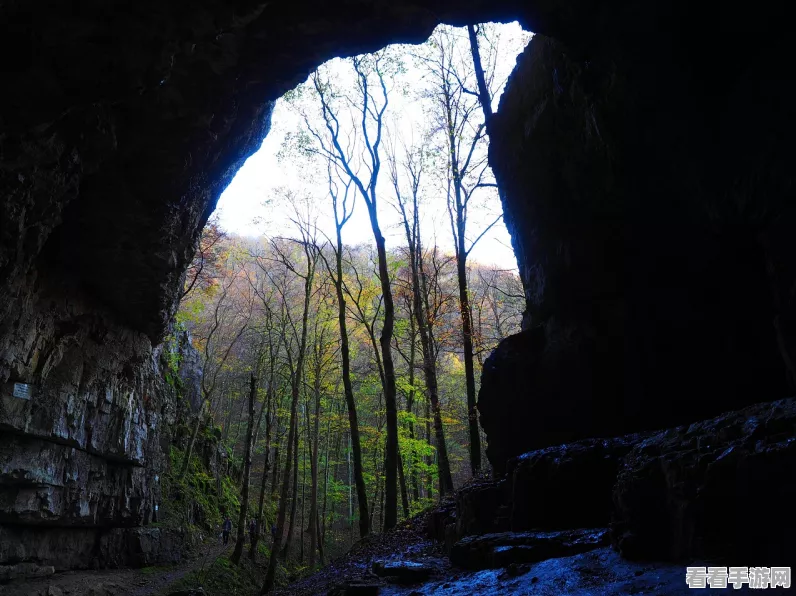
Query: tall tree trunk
[[303, 498], [261, 504], [410, 400], [376, 488], [402, 484], [430, 372], [320, 541], [325, 483], [294, 500], [275, 481], [369, 195], [391, 410], [313, 524], [268, 584], [464, 301], [247, 465], [351, 496], [382, 512], [429, 459], [467, 346], [345, 353], [268, 419], [297, 379], [421, 312]]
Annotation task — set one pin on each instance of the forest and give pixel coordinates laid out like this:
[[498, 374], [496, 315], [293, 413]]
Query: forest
[[340, 379]]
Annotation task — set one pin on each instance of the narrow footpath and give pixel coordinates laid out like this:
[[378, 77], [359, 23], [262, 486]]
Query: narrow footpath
[[150, 581]]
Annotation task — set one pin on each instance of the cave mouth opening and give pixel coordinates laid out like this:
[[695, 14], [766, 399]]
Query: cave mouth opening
[[397, 136], [257, 201]]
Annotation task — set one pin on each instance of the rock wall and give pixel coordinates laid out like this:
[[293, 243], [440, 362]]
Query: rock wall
[[651, 210], [81, 453]]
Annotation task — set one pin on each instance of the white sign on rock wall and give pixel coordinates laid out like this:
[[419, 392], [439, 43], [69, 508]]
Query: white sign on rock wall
[[23, 390]]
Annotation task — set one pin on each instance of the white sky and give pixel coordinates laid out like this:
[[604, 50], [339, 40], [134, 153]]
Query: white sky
[[243, 210]]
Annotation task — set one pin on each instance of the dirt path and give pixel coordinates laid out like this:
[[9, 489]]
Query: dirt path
[[151, 581]]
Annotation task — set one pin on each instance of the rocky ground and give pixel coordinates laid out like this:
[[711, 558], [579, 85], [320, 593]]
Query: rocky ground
[[601, 516], [149, 581], [407, 563]]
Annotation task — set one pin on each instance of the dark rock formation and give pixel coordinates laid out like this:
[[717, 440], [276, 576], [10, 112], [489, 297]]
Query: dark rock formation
[[652, 214], [140, 547], [720, 488], [80, 447], [481, 508], [568, 486]]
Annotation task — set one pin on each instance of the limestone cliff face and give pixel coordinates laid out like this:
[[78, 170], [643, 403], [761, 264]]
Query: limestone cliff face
[[81, 453], [652, 215]]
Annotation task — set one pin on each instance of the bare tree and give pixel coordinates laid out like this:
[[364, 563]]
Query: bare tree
[[308, 244], [372, 105], [468, 173], [414, 166], [203, 269], [217, 348], [247, 464], [342, 213]]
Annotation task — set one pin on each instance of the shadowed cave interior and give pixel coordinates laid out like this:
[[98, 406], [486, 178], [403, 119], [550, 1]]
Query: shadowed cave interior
[[644, 157]]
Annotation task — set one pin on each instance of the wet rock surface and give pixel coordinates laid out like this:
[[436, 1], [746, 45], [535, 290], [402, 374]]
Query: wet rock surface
[[402, 571], [599, 572], [491, 551], [667, 495]]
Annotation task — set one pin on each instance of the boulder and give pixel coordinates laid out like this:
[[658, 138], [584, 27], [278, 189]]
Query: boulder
[[721, 488], [568, 486], [481, 508], [402, 572]]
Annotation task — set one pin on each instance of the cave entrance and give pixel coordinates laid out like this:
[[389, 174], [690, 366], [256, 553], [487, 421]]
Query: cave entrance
[[375, 171], [288, 165]]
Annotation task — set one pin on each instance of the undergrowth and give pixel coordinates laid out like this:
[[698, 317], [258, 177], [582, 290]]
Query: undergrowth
[[221, 577], [195, 500]]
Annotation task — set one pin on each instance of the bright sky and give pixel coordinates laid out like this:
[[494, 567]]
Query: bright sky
[[247, 207]]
